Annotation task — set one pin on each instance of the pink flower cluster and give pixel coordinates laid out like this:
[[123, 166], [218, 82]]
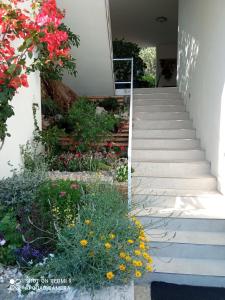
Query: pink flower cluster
[[38, 25]]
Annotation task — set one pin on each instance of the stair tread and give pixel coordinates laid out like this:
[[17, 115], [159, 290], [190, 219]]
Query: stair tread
[[186, 237], [194, 213], [189, 266]]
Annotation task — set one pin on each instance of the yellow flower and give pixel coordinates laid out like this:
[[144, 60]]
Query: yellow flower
[[142, 238], [87, 222], [137, 252], [110, 275], [149, 268], [130, 242], [108, 246], [134, 219], [112, 236], [137, 263], [146, 255], [92, 254], [142, 233], [138, 224], [84, 243], [138, 274], [122, 254], [142, 246], [72, 225], [122, 267], [128, 258], [91, 233]]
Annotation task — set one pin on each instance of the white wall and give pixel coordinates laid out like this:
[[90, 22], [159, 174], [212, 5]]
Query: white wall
[[164, 52], [201, 74], [90, 19], [21, 125]]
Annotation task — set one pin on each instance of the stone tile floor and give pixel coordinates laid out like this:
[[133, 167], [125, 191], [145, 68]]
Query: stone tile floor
[[142, 292]]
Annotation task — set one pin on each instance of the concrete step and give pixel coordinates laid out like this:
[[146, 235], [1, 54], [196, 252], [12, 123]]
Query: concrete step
[[173, 192], [187, 266], [183, 237], [170, 90], [161, 116], [164, 134], [171, 169], [166, 155], [146, 102], [159, 108], [148, 183], [159, 96], [188, 250], [165, 143], [213, 202], [166, 124]]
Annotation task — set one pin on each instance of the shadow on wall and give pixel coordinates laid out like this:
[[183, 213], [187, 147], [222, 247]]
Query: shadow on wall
[[201, 80], [187, 60]]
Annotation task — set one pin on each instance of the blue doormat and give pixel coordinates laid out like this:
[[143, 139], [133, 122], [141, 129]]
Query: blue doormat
[[165, 291]]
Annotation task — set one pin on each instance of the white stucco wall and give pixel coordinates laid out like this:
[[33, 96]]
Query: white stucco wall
[[201, 75], [20, 126], [91, 21]]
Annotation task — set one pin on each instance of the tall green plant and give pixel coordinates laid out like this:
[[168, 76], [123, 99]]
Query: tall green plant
[[124, 49]]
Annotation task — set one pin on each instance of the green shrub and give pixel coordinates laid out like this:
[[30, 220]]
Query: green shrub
[[49, 108], [122, 173], [56, 206], [105, 247], [109, 104], [33, 158], [63, 197], [79, 162], [10, 235], [121, 49], [21, 188], [50, 139], [89, 128], [150, 79]]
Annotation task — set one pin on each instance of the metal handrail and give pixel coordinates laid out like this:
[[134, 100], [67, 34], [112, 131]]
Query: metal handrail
[[131, 82]]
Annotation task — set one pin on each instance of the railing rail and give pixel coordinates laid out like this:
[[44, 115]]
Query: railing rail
[[131, 83]]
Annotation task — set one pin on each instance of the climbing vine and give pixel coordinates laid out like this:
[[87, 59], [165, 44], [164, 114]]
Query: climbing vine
[[32, 37]]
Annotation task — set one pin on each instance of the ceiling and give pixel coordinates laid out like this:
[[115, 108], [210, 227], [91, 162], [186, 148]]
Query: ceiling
[[135, 20]]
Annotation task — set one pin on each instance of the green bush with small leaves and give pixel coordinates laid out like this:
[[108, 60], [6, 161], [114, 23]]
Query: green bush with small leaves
[[89, 127], [10, 237]]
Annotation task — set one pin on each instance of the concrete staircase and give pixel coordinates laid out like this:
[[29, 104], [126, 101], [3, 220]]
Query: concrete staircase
[[174, 194]]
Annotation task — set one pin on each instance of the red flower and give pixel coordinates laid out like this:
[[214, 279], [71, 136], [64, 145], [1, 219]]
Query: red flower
[[62, 194]]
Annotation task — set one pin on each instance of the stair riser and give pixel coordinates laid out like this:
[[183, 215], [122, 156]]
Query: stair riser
[[161, 116], [147, 183], [158, 96], [187, 250], [146, 102], [170, 169], [170, 124], [170, 90], [160, 108], [179, 203], [164, 134], [165, 144], [172, 222], [169, 192], [166, 155]]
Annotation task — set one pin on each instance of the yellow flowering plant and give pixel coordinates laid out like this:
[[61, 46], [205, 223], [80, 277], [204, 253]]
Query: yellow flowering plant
[[106, 247]]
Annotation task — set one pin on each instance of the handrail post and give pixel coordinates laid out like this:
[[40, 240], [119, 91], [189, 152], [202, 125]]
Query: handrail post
[[130, 126]]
